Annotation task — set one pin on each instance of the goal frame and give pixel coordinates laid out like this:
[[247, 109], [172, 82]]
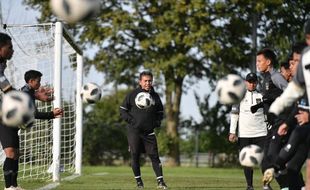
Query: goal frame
[[60, 33]]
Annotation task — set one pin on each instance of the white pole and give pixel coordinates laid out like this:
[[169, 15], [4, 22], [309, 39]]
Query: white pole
[[79, 116], [57, 100]]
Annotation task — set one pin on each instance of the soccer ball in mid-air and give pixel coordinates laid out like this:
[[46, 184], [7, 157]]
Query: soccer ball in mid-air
[[91, 93], [17, 109], [251, 155], [144, 100], [230, 89], [73, 11]]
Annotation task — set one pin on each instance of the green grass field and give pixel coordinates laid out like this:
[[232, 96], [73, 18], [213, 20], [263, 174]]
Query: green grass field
[[97, 178]]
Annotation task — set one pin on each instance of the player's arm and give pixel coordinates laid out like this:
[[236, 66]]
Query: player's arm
[[124, 110], [290, 95], [55, 113], [234, 117], [5, 85]]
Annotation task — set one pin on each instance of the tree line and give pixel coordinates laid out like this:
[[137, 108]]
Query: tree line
[[198, 39]]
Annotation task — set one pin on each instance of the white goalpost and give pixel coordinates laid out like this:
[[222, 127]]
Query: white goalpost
[[50, 147]]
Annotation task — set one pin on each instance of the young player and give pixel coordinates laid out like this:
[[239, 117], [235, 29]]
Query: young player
[[297, 85], [33, 83], [252, 128], [272, 86], [140, 128], [285, 71], [291, 178], [8, 135]]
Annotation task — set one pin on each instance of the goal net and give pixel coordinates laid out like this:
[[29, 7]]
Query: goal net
[[36, 47]]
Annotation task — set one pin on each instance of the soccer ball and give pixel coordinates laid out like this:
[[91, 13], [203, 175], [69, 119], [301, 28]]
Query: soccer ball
[[230, 89], [91, 93], [144, 100], [73, 11], [251, 155], [17, 109]]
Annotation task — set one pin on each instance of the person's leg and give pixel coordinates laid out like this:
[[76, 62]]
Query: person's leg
[[294, 167], [150, 144], [10, 143], [298, 135], [308, 174], [134, 144], [248, 172], [10, 167]]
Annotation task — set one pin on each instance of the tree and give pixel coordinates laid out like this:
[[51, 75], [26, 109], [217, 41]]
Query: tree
[[178, 39], [102, 126]]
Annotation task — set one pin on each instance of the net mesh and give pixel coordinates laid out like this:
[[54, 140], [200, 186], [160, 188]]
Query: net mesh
[[34, 49]]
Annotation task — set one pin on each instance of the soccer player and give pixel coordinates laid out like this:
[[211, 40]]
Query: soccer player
[[8, 135], [291, 178], [252, 128], [285, 71], [272, 86], [33, 83], [140, 128]]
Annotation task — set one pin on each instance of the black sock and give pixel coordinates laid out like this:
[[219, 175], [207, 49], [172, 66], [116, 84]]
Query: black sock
[[15, 173], [248, 173], [8, 168]]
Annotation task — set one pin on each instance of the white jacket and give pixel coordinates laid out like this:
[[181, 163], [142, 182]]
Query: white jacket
[[250, 124]]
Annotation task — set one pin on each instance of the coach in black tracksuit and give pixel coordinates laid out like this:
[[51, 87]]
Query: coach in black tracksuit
[[140, 128]]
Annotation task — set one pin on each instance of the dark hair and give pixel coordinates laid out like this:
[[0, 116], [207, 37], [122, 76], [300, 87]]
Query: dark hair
[[269, 54], [285, 64], [32, 74], [307, 27], [298, 47], [145, 73], [4, 38]]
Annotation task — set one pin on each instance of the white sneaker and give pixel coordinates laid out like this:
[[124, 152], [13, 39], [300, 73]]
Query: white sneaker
[[10, 188], [18, 188]]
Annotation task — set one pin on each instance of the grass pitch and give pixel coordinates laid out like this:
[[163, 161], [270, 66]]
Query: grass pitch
[[101, 178]]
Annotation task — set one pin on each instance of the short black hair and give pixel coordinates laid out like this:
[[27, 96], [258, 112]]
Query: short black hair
[[285, 64], [32, 74], [268, 54], [145, 73], [4, 38], [299, 47]]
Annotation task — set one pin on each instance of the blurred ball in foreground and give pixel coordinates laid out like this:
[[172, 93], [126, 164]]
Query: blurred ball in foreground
[[230, 89], [73, 11]]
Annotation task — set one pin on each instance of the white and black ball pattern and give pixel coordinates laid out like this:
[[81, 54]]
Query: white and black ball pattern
[[230, 89], [91, 93], [144, 100], [73, 11], [17, 109], [251, 155]]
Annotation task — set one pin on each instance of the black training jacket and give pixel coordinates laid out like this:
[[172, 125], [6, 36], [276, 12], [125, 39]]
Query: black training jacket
[[142, 120]]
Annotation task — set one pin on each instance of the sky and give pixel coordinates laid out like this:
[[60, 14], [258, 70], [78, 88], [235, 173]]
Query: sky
[[13, 12]]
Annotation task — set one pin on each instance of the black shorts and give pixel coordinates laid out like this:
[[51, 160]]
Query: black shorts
[[245, 141], [9, 137], [140, 143]]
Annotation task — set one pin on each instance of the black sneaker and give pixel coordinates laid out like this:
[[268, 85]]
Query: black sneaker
[[250, 188], [140, 185], [162, 185]]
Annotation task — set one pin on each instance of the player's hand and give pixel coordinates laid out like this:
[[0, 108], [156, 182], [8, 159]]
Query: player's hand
[[268, 176], [256, 107], [302, 117], [282, 130], [232, 138], [271, 117], [45, 94], [58, 112]]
